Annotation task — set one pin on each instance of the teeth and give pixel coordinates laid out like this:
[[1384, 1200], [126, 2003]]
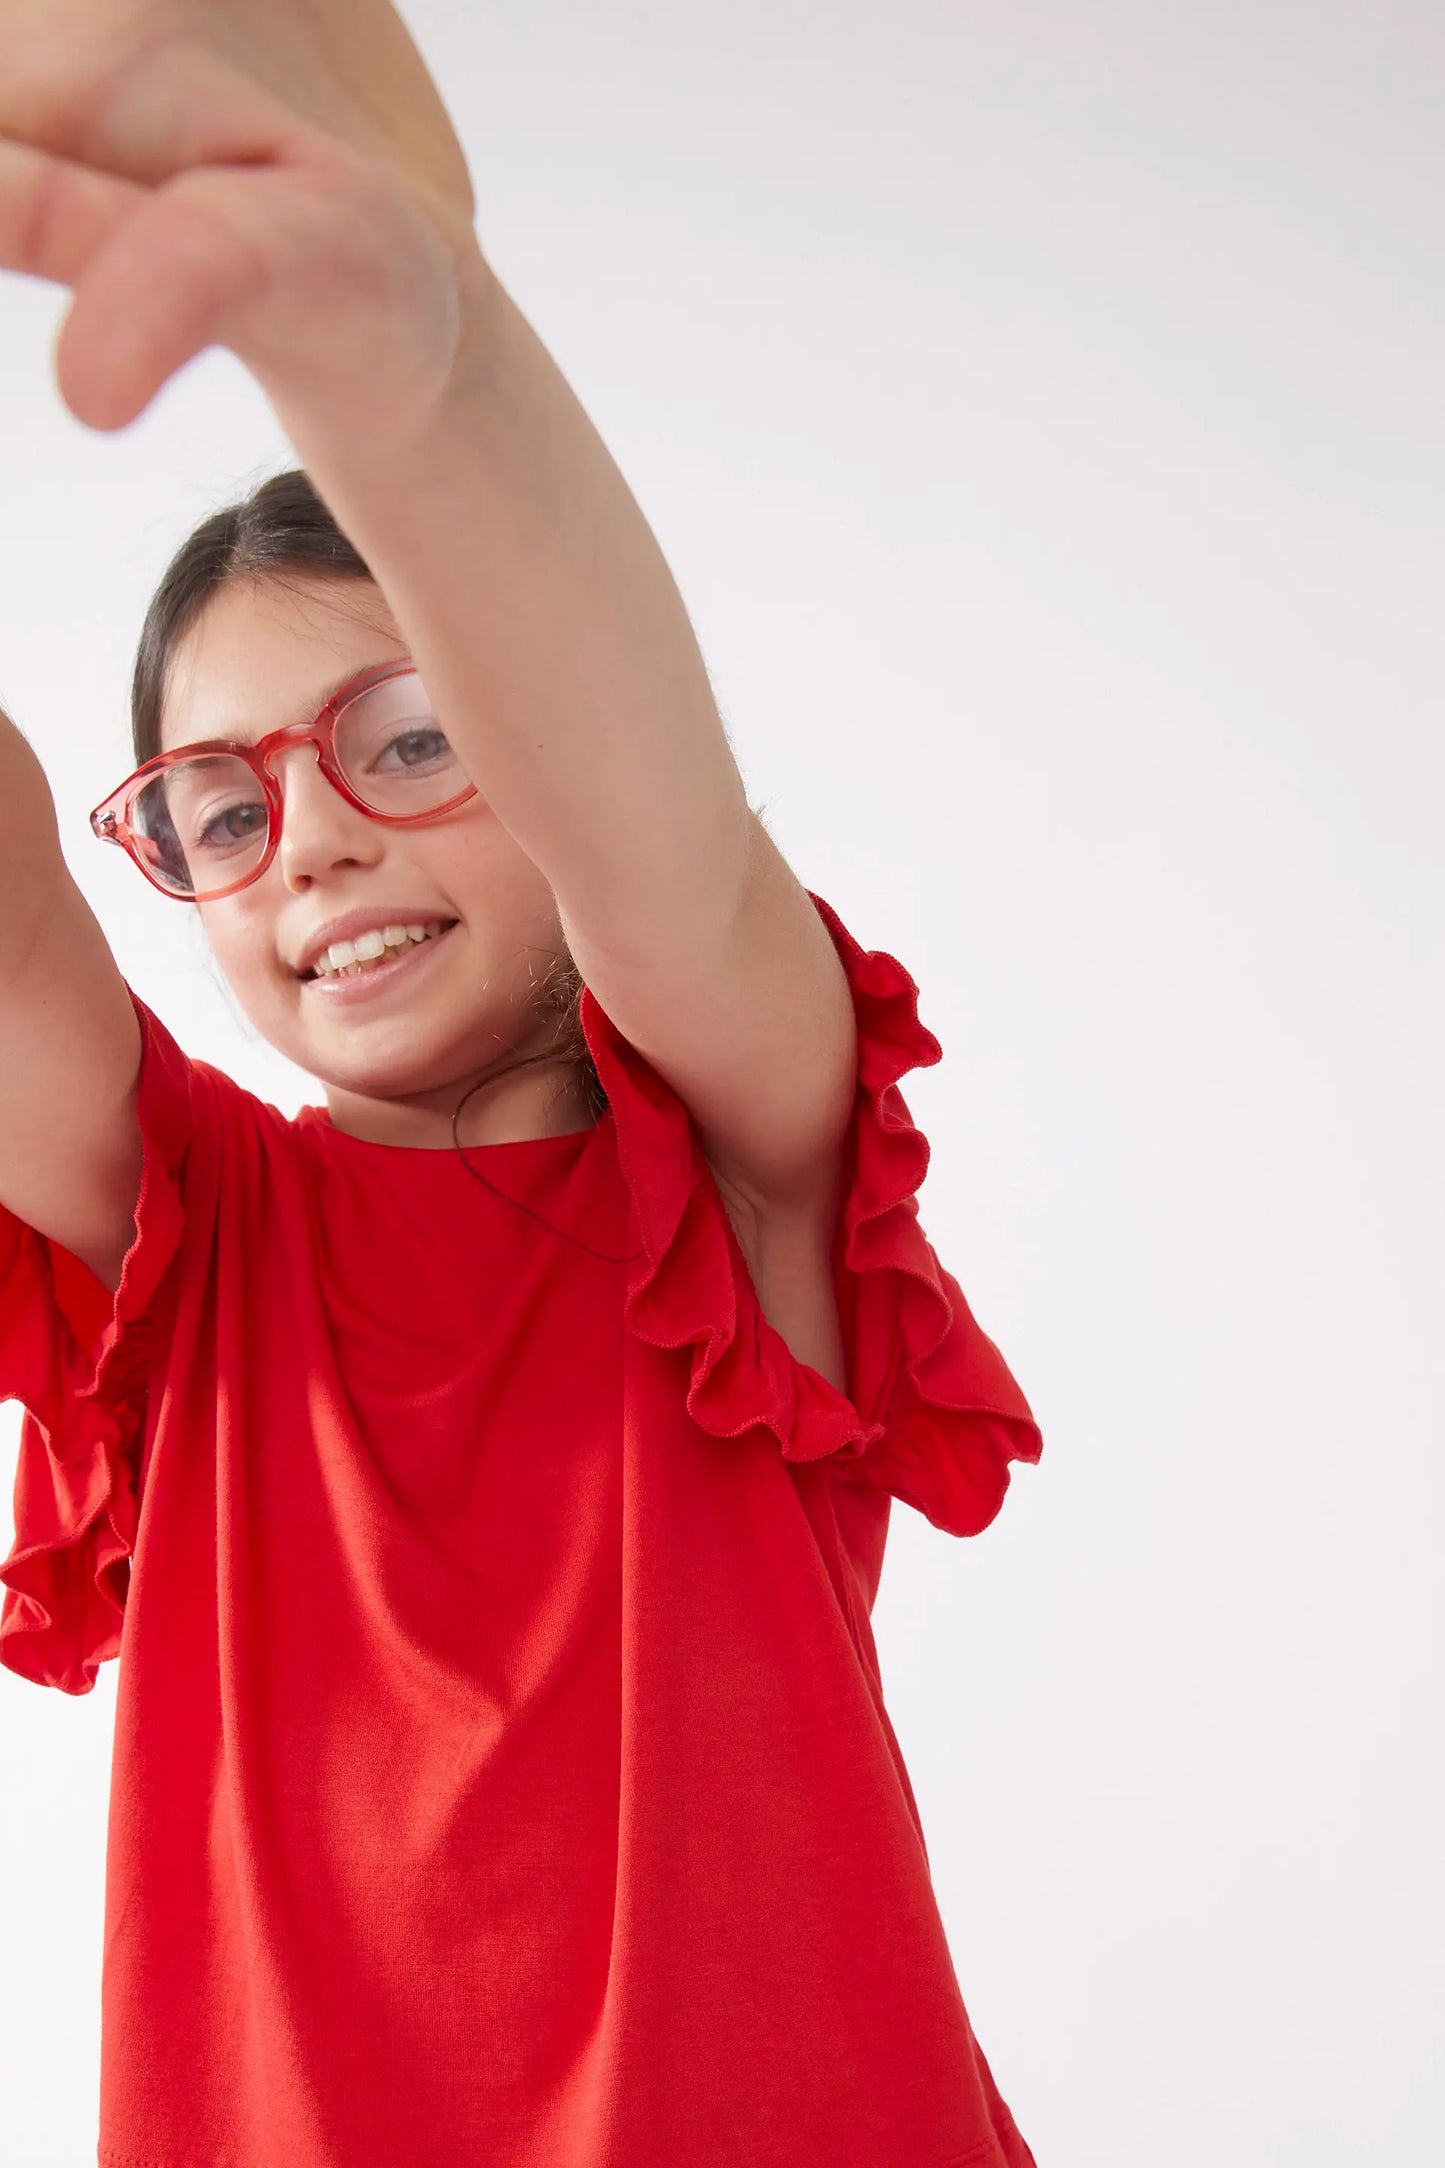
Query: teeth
[[360, 954]]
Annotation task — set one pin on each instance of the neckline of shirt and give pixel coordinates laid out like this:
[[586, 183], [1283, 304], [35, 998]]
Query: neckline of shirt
[[320, 1118]]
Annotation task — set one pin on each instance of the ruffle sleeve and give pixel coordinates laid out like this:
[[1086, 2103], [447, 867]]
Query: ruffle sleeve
[[79, 1359], [934, 1415]]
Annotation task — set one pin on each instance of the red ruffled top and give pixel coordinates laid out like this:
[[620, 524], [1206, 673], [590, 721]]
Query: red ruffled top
[[501, 1765]]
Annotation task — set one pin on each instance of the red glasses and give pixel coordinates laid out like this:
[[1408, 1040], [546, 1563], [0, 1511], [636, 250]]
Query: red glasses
[[205, 820]]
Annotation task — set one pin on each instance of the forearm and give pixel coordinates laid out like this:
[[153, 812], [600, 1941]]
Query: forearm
[[553, 639], [70, 1041], [31, 859], [49, 937]]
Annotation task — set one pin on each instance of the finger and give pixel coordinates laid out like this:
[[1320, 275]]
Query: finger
[[55, 215], [102, 87], [147, 92], [163, 285]]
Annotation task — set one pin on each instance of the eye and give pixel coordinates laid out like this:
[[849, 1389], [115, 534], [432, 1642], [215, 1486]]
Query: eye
[[232, 824], [414, 748]]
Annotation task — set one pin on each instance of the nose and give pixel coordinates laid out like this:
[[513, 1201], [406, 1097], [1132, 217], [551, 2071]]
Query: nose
[[319, 830]]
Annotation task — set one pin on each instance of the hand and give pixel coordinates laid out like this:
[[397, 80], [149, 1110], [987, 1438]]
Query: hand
[[275, 176]]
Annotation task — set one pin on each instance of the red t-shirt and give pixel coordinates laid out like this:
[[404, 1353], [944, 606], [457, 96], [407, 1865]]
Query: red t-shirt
[[501, 1771]]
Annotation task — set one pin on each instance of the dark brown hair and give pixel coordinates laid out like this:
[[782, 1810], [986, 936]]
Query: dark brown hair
[[284, 528]]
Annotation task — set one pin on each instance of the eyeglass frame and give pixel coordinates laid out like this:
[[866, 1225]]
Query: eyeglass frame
[[111, 821]]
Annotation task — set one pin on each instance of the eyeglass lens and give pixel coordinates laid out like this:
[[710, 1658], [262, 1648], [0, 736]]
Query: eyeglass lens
[[203, 824]]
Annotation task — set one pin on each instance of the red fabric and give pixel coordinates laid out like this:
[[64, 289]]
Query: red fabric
[[501, 1767]]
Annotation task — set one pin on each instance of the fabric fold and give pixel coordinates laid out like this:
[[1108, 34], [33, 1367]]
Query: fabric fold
[[78, 1359], [934, 1415]]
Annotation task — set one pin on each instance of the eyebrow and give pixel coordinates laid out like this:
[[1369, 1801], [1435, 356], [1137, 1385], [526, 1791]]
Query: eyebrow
[[305, 715], [340, 684]]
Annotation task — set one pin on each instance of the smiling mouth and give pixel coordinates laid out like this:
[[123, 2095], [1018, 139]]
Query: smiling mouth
[[397, 944]]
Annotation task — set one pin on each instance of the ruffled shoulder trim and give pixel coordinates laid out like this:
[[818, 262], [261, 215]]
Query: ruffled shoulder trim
[[934, 1415], [78, 1358]]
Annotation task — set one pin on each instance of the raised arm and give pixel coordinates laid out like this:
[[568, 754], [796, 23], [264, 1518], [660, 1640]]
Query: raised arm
[[284, 181], [554, 641], [70, 1043]]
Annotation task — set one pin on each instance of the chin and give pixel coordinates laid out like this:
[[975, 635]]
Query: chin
[[375, 1055], [381, 1059], [405, 1054]]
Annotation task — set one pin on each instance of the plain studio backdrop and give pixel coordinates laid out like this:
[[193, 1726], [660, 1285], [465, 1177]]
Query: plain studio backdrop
[[1040, 410]]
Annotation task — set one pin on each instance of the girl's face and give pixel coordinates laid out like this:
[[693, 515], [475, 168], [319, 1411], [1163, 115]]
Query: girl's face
[[395, 1063]]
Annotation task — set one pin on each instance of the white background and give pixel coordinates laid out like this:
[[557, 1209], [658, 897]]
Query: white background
[[1040, 409]]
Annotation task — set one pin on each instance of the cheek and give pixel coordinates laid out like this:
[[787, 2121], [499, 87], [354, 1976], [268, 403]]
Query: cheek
[[493, 886], [243, 945]]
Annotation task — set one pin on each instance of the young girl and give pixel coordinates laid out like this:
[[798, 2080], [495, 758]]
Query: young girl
[[484, 1475]]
